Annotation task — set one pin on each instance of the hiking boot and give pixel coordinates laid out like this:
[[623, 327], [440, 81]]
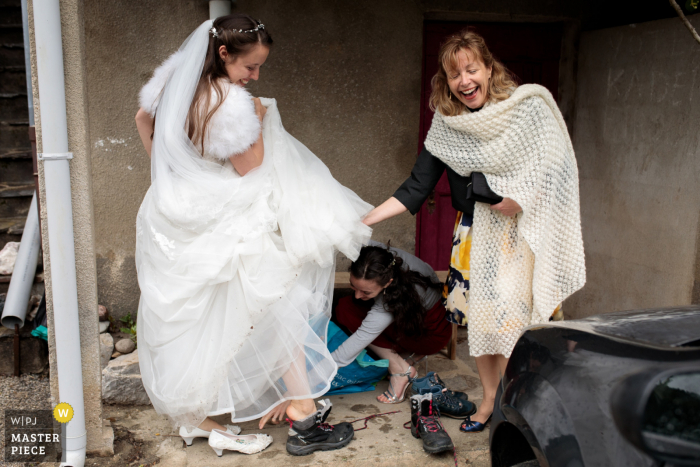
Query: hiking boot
[[432, 379], [448, 405], [426, 425], [313, 434]]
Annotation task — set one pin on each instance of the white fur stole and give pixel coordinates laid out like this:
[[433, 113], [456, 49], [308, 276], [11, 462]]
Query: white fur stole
[[232, 129]]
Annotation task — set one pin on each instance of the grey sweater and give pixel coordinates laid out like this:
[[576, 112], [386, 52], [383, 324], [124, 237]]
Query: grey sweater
[[378, 319]]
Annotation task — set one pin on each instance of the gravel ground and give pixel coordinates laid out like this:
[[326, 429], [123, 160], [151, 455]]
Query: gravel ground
[[29, 392]]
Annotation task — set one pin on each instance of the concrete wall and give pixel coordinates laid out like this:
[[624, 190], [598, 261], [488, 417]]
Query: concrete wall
[[83, 220], [125, 40], [346, 76], [637, 145]]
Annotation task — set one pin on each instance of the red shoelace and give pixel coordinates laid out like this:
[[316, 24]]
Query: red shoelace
[[324, 426], [366, 419]]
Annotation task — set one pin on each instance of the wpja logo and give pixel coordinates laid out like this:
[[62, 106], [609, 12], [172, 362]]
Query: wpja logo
[[32, 436]]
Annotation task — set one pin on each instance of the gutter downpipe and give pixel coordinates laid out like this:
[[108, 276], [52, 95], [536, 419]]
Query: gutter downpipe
[[59, 209], [15, 310]]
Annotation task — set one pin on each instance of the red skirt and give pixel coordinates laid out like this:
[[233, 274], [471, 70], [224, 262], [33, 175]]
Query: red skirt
[[437, 330]]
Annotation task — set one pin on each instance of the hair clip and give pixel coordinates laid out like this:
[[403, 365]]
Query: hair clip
[[213, 32]]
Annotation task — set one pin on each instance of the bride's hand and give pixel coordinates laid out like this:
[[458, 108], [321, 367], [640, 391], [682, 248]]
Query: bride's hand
[[276, 415], [259, 109]]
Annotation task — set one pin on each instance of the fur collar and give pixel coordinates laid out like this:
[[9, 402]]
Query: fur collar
[[232, 129], [149, 97]]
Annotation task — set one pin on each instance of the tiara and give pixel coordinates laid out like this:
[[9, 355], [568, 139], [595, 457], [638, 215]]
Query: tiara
[[260, 26]]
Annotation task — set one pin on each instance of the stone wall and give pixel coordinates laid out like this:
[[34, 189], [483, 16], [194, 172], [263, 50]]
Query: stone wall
[[346, 76], [637, 144]]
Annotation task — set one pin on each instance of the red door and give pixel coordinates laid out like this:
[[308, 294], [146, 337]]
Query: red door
[[531, 52]]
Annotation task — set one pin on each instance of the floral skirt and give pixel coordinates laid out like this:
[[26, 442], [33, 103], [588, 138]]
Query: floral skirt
[[455, 294]]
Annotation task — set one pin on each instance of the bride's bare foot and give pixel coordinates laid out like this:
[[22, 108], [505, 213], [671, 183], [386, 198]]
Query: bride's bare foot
[[399, 384], [208, 424], [299, 410]]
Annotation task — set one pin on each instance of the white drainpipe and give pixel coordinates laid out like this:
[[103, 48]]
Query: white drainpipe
[[55, 157], [219, 8], [15, 310]]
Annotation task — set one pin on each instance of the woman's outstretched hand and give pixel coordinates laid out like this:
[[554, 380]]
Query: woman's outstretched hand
[[388, 209], [259, 109], [507, 207]]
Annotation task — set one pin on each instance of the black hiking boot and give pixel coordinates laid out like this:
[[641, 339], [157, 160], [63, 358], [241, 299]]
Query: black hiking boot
[[313, 434], [448, 404], [425, 424], [432, 379]]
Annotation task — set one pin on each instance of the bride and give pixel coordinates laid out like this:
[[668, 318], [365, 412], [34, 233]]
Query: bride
[[235, 250]]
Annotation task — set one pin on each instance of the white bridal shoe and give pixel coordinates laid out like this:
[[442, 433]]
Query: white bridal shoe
[[247, 444], [189, 436]]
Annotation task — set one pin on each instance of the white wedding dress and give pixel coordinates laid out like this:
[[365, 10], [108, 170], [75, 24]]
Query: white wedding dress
[[236, 273]]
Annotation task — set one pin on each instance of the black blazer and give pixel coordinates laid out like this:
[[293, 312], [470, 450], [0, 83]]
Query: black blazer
[[425, 174]]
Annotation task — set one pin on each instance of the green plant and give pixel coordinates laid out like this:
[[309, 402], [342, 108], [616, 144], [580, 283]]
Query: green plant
[[130, 326], [112, 323]]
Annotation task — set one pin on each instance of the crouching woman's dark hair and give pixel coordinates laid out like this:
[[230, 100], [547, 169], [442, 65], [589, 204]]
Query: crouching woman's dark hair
[[401, 298]]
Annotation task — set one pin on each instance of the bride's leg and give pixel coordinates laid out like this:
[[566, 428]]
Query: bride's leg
[[208, 424], [297, 381]]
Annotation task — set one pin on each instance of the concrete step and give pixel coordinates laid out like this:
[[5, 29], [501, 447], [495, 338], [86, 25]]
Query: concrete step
[[16, 170], [12, 54], [20, 153], [13, 81], [13, 107], [17, 206], [16, 189], [12, 225], [14, 134], [10, 14]]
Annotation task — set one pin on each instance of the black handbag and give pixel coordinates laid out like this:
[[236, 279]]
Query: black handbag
[[478, 190]]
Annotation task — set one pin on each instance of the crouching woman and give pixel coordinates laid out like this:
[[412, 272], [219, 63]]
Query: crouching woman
[[396, 310]]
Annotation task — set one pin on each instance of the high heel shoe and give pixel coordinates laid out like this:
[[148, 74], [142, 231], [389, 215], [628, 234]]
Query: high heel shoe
[[470, 426], [189, 436], [247, 444], [390, 394]]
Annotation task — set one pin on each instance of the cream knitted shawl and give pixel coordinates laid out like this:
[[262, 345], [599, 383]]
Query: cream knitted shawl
[[522, 146]]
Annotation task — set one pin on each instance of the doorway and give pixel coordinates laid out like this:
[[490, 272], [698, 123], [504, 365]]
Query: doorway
[[531, 52]]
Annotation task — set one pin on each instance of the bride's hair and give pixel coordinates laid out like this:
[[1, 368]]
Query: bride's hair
[[501, 84], [228, 33], [400, 298]]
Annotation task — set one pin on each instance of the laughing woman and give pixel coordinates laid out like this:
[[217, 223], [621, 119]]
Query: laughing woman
[[512, 263]]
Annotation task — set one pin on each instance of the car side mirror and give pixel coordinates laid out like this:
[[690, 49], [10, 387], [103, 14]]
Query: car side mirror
[[658, 411]]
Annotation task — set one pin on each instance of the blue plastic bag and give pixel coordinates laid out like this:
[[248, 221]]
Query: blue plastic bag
[[359, 376]]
